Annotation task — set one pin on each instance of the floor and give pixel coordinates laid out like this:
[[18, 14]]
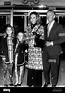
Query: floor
[[61, 81]]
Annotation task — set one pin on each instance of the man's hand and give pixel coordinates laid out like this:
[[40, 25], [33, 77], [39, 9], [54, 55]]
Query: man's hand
[[49, 43], [26, 51]]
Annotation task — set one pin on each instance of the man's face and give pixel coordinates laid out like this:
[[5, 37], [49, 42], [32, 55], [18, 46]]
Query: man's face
[[50, 16]]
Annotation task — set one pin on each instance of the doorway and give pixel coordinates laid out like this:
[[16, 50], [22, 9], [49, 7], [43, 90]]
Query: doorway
[[18, 23]]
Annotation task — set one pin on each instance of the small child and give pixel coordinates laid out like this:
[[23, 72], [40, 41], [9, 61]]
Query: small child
[[19, 58]]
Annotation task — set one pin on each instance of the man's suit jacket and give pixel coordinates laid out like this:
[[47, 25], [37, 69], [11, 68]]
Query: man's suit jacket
[[54, 36]]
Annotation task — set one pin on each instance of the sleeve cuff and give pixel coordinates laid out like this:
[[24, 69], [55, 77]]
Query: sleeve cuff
[[52, 43]]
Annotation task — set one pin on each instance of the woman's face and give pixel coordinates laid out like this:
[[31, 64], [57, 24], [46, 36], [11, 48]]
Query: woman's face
[[33, 19], [9, 31], [20, 36]]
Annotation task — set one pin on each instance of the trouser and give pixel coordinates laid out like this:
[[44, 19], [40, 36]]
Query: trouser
[[34, 77], [19, 76], [51, 66], [7, 67]]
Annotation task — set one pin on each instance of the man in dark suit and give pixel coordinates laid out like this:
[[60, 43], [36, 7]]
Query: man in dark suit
[[53, 38]]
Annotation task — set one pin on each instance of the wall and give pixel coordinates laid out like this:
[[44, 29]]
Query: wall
[[45, 2]]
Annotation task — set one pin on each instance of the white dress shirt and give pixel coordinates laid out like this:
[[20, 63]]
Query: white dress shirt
[[50, 25]]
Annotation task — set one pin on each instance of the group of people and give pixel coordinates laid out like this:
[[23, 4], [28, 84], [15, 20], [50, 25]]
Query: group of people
[[12, 56], [43, 50]]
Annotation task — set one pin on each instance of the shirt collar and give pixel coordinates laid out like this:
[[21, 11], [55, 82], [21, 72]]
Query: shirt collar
[[51, 22]]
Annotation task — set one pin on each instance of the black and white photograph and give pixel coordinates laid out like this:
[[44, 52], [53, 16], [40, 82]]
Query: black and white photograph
[[32, 45]]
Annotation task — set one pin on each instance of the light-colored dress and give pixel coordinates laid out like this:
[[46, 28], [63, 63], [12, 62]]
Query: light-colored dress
[[35, 53]]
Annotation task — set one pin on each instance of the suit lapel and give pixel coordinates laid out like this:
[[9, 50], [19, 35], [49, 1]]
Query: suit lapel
[[45, 31]]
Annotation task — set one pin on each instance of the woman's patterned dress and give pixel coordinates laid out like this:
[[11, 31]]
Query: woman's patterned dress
[[35, 53]]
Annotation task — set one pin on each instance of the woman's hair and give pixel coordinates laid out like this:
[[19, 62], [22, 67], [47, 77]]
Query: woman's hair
[[8, 25], [37, 16]]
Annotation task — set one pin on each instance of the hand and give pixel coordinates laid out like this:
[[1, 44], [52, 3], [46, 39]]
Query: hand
[[26, 51], [49, 43], [11, 62], [3, 58], [42, 37]]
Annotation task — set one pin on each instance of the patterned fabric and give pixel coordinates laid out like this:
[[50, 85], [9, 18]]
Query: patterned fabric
[[35, 58], [35, 53], [7, 73], [39, 29]]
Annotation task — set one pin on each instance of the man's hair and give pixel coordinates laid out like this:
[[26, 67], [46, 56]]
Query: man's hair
[[51, 11]]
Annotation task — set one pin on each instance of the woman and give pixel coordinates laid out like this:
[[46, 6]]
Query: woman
[[7, 50], [19, 59], [35, 33]]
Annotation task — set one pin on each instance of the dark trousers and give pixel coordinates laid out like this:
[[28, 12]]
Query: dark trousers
[[34, 77], [52, 67]]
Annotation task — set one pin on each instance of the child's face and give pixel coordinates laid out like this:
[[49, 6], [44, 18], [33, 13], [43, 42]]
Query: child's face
[[9, 30], [20, 36]]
